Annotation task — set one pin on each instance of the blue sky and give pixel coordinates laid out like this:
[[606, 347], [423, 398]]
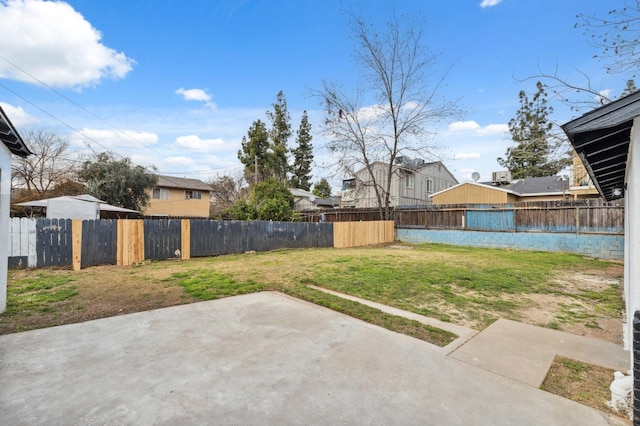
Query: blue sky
[[176, 84]]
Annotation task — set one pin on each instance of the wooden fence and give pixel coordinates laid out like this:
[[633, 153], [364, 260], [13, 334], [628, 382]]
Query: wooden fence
[[51, 242], [565, 217]]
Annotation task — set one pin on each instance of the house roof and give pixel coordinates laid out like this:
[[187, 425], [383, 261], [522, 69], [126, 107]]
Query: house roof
[[546, 185], [11, 138], [182, 183], [480, 184], [601, 138], [297, 192], [104, 207], [528, 187]]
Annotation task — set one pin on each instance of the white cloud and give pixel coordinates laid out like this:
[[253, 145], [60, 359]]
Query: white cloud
[[463, 126], [604, 94], [493, 129], [466, 156], [473, 127], [194, 143], [490, 3], [55, 44], [100, 139], [199, 95], [17, 115]]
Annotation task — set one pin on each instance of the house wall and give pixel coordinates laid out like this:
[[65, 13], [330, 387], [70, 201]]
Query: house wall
[[177, 205], [632, 227], [473, 194], [5, 200], [400, 195]]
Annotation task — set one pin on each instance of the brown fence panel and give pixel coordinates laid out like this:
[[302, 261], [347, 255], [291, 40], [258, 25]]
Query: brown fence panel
[[353, 234]]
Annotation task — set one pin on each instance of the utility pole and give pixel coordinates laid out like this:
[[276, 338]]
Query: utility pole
[[255, 170]]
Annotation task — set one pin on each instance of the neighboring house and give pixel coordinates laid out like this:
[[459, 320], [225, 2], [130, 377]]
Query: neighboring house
[[85, 207], [607, 140], [305, 200], [412, 182], [302, 200], [179, 197], [12, 143], [550, 188]]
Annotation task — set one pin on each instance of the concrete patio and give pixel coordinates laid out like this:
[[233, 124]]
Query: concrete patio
[[266, 358]]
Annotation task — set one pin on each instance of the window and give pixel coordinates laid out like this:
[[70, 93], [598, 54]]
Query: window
[[195, 195], [409, 181], [429, 185], [160, 194], [348, 184]]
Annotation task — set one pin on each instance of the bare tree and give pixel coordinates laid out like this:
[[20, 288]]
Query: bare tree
[[392, 112], [226, 191], [616, 38], [51, 164]]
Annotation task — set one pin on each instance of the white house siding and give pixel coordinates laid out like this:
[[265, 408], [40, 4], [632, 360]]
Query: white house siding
[[632, 241], [400, 195], [5, 200]]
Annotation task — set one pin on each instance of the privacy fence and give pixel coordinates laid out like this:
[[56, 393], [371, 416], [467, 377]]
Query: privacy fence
[[583, 216], [588, 227], [65, 242]]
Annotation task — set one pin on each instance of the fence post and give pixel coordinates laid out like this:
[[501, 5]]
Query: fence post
[[185, 250], [76, 243], [577, 220]]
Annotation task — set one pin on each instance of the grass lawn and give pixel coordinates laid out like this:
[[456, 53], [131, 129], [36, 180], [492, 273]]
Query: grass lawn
[[466, 286]]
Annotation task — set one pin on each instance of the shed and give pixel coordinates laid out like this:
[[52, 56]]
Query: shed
[[85, 207], [12, 143]]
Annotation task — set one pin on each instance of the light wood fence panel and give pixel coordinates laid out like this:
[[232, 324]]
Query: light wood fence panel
[[353, 234]]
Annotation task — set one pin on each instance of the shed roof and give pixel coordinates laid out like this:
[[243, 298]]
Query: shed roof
[[11, 138], [104, 207], [182, 183], [601, 138]]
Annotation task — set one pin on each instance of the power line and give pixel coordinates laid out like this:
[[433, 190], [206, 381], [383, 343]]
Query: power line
[[120, 131]]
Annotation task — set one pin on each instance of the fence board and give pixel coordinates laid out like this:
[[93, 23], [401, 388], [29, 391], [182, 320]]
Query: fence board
[[53, 242], [162, 239], [490, 220], [99, 242], [353, 234], [213, 238]]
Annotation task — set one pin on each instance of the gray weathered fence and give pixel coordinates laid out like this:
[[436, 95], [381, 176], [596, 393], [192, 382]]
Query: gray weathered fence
[[48, 242]]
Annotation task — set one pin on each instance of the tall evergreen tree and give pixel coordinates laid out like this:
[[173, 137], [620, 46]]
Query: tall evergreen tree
[[302, 156], [534, 153], [280, 133], [255, 153]]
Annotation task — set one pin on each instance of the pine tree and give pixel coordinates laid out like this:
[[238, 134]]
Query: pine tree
[[531, 130], [280, 133], [302, 156], [255, 153]]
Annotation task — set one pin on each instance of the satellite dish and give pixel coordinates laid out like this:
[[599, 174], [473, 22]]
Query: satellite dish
[[475, 176]]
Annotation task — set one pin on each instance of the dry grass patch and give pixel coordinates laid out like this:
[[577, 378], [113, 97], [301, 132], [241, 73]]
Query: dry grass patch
[[578, 381]]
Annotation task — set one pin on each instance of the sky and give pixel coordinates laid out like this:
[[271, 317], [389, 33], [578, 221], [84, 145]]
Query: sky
[[177, 84]]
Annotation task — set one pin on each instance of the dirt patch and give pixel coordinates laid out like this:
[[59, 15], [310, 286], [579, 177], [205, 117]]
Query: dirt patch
[[585, 383], [572, 307], [103, 291]]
